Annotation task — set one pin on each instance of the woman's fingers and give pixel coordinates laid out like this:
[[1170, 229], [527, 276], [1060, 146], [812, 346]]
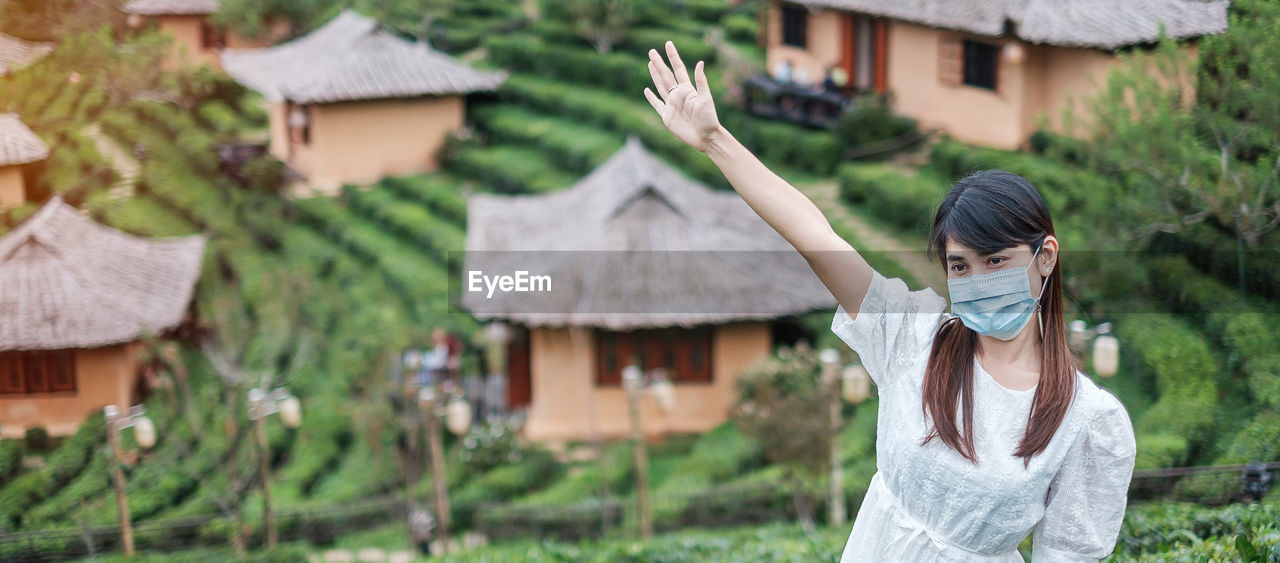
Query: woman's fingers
[[657, 104], [700, 75], [677, 65], [659, 82], [662, 76]]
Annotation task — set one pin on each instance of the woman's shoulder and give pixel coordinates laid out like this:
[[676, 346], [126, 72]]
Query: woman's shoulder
[[1101, 415]]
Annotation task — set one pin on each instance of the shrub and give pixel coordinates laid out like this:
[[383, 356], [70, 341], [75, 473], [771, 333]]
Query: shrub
[[741, 27], [10, 459], [1156, 450], [36, 438], [1184, 371], [868, 120]]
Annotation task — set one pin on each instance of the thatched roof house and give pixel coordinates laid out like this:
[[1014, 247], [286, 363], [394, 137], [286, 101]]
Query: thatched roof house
[[352, 58], [636, 244], [171, 7], [646, 266], [77, 297], [984, 71], [197, 39], [1104, 24], [16, 53], [18, 146], [72, 283], [352, 101]]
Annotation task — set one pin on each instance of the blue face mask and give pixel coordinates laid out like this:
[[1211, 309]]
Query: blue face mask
[[997, 304]]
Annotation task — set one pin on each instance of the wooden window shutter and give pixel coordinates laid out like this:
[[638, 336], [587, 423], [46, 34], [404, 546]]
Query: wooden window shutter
[[950, 59]]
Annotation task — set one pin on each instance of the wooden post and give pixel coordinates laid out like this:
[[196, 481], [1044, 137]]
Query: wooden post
[[642, 465], [836, 512], [438, 478], [117, 480], [264, 468]]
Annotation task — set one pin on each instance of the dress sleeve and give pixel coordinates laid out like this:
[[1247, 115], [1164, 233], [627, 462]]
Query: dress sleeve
[[1086, 500], [893, 326]]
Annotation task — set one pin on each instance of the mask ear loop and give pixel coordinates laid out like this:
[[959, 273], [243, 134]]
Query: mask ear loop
[[1043, 285]]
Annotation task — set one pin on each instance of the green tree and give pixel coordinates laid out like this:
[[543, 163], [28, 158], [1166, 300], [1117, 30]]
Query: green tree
[[777, 402], [603, 23], [1192, 139]]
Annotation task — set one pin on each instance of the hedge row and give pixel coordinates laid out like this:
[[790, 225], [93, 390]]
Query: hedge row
[[693, 47], [23, 493], [435, 237], [580, 148], [1150, 529], [906, 202], [623, 115], [422, 283], [435, 192], [510, 169], [10, 459]]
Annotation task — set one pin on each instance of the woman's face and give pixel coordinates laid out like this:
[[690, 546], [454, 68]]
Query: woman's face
[[963, 261]]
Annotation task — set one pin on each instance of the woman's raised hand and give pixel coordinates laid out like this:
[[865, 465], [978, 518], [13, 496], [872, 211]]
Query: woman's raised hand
[[686, 108]]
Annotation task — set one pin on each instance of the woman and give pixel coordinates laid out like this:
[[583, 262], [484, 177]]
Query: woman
[[987, 431]]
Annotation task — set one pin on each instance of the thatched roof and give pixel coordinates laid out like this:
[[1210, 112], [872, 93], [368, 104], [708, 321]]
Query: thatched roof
[[1105, 24], [635, 244], [18, 144], [353, 58], [16, 53], [68, 282], [171, 7]]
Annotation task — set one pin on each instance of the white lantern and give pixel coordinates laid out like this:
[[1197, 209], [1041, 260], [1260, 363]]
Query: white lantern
[[291, 411], [458, 416], [856, 384], [828, 356], [1014, 52], [144, 431], [631, 377], [1106, 355], [664, 393]]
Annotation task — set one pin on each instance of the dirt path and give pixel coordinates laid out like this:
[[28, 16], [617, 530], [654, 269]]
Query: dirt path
[[122, 162], [826, 195]]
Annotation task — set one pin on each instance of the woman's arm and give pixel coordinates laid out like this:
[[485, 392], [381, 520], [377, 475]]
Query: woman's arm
[[689, 112]]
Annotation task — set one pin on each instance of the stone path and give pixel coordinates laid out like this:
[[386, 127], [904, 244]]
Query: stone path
[[826, 195], [125, 165]]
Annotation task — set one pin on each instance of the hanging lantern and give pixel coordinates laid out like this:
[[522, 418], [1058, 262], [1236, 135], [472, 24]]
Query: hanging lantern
[[856, 384], [1106, 355], [664, 393], [458, 416], [1014, 52], [144, 431], [291, 411]]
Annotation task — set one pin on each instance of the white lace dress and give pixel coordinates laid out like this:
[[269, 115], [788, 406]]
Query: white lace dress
[[930, 504]]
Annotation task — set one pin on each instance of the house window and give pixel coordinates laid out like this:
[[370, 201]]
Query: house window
[[23, 373], [211, 36], [980, 62], [685, 353], [794, 25]]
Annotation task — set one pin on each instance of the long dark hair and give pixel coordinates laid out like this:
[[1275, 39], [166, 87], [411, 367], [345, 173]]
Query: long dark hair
[[989, 211]]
